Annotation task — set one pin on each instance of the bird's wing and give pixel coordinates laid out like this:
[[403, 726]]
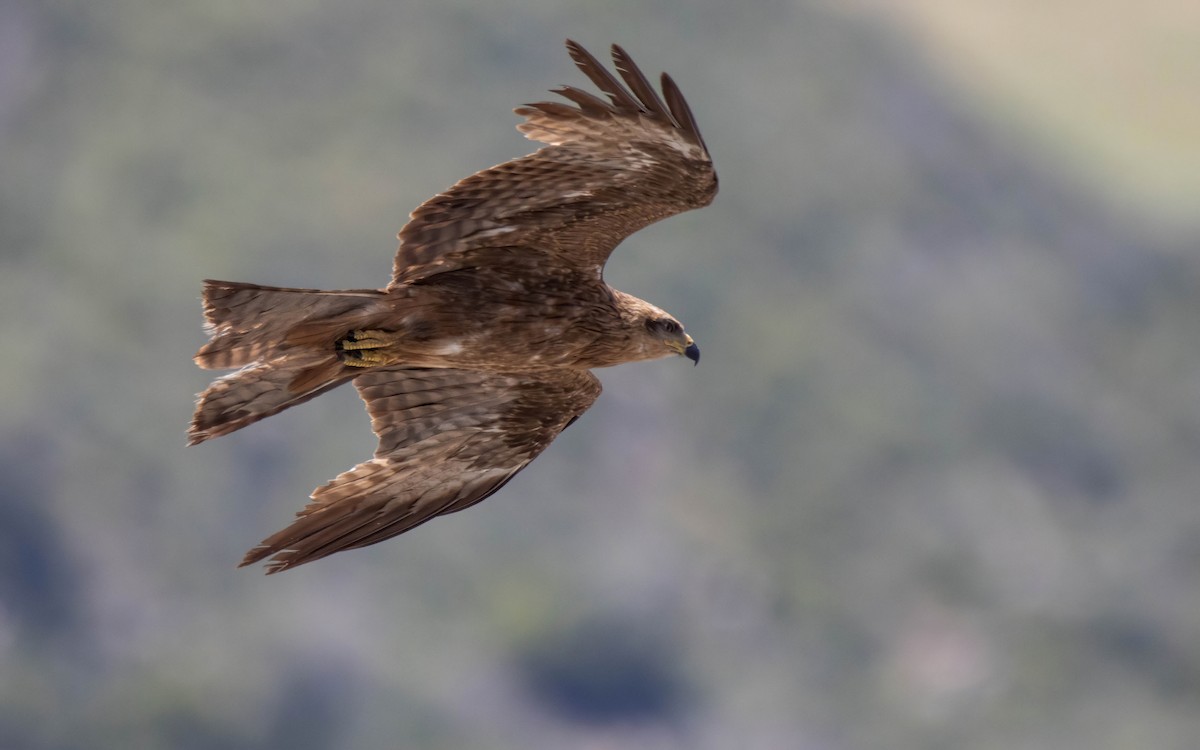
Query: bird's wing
[[612, 167], [447, 439]]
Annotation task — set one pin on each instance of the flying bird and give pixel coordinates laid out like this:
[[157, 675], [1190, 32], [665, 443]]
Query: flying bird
[[478, 352]]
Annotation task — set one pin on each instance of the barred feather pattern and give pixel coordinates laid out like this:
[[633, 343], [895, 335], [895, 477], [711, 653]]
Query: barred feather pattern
[[447, 439], [612, 167], [478, 352], [250, 322]]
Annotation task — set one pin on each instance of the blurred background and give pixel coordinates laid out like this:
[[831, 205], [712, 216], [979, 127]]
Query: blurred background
[[935, 484]]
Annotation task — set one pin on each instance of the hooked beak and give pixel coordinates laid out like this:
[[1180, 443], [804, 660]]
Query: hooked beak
[[687, 348]]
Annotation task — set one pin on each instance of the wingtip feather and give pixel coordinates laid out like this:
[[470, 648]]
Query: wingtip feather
[[638, 83]]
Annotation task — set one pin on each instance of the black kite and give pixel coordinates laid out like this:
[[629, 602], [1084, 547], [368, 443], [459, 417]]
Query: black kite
[[478, 352]]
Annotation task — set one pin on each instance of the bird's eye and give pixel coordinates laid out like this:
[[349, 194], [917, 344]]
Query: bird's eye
[[664, 325]]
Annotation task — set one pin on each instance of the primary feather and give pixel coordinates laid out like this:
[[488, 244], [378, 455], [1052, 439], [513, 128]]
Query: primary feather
[[477, 353]]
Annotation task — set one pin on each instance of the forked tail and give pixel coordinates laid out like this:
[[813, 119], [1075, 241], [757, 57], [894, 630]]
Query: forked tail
[[283, 339]]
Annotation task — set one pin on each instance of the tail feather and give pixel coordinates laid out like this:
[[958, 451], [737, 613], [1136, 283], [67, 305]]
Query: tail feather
[[258, 391], [252, 328], [251, 323]]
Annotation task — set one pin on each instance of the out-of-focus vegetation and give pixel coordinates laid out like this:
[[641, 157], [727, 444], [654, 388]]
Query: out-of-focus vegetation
[[935, 484], [1109, 86]]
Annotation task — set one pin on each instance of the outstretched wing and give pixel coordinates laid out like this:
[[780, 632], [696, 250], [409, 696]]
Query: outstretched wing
[[612, 167], [447, 439]]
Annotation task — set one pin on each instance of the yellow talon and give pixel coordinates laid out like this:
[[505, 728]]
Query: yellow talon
[[366, 340], [366, 348], [351, 345], [368, 358]]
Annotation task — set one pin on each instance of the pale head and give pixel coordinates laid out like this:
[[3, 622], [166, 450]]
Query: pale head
[[653, 333]]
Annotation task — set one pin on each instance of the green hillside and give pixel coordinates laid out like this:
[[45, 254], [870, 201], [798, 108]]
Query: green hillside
[[934, 484]]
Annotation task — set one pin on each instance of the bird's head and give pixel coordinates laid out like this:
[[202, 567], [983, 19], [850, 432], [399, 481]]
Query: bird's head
[[669, 332], [655, 333]]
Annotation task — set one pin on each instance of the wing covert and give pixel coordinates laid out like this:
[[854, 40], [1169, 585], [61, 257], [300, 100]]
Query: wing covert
[[447, 440], [611, 168]]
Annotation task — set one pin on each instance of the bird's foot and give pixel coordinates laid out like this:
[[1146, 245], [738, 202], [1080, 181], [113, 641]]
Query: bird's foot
[[357, 340], [366, 348]]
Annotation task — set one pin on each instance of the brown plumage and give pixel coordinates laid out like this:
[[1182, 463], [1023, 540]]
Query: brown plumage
[[476, 355]]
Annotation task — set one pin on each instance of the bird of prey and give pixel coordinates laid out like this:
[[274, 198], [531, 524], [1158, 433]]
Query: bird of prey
[[478, 352]]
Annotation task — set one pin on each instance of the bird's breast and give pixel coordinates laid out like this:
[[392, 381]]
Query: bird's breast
[[500, 326]]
